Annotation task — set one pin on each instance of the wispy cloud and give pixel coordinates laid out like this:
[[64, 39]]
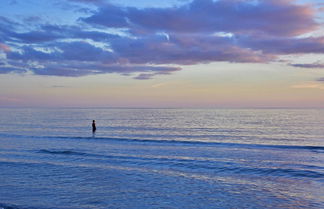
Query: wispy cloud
[[320, 79], [313, 65]]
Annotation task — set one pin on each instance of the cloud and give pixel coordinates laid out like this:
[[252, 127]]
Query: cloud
[[61, 51], [30, 54], [36, 36], [144, 43], [48, 33], [83, 51], [184, 50], [314, 65], [77, 32], [143, 76], [76, 69], [157, 71], [320, 79], [109, 16], [279, 45], [273, 17], [11, 69], [6, 28]]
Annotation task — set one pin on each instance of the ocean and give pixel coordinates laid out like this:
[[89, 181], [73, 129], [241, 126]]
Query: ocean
[[161, 158]]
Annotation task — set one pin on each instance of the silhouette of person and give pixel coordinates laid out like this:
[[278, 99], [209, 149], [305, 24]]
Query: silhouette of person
[[94, 128]]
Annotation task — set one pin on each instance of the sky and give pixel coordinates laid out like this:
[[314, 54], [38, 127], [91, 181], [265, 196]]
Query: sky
[[170, 53]]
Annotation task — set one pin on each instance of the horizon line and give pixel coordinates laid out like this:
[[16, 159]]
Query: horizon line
[[134, 107]]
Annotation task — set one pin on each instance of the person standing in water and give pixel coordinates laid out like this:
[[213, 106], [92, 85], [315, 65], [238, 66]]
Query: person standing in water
[[94, 128]]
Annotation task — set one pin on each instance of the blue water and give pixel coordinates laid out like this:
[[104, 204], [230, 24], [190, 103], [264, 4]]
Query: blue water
[[161, 158]]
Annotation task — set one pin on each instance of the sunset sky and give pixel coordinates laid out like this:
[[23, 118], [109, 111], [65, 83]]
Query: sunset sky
[[170, 53]]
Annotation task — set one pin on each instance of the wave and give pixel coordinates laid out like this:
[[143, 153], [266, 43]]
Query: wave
[[181, 142], [5, 206], [208, 143], [61, 152], [9, 206], [185, 165], [277, 172]]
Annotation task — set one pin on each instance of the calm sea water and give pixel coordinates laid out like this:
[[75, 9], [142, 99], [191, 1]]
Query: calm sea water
[[161, 158]]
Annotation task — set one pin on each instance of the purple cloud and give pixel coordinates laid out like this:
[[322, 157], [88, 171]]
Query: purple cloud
[[10, 69], [6, 28], [48, 33], [36, 36], [314, 65], [83, 51], [273, 17], [184, 50], [279, 45], [320, 79], [78, 32], [76, 69], [152, 39], [109, 16], [79, 51], [143, 76]]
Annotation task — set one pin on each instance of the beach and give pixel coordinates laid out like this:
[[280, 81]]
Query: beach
[[161, 158]]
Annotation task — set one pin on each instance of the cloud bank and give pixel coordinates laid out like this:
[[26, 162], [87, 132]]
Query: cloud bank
[[159, 41]]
